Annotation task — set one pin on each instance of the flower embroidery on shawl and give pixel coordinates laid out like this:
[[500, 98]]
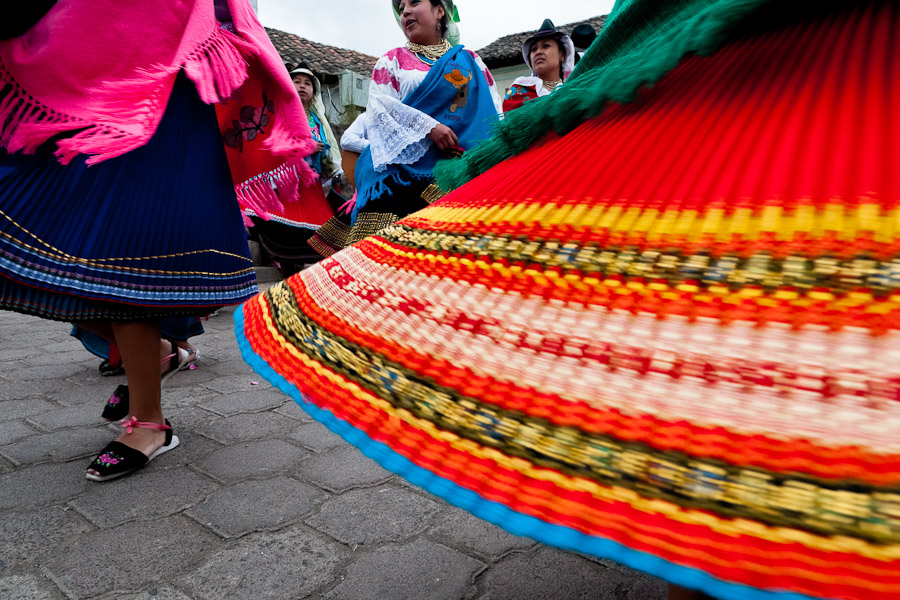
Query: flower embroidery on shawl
[[252, 122]]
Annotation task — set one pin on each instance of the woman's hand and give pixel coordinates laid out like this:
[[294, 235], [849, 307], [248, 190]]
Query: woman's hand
[[443, 137], [319, 147]]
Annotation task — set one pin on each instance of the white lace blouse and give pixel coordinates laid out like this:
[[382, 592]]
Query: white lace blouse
[[397, 132]]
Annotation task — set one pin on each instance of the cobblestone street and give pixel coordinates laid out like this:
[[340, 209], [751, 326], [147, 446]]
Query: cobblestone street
[[259, 501]]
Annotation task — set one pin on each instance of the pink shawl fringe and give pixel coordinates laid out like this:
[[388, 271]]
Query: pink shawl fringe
[[124, 111], [265, 193]]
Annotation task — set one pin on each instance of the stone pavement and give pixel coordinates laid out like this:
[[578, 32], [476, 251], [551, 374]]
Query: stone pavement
[[258, 502]]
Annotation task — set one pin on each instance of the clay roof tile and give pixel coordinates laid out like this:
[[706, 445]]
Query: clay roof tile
[[508, 49], [321, 58]]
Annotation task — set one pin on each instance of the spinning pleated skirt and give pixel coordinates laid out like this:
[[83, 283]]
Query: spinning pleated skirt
[[154, 233], [684, 357]]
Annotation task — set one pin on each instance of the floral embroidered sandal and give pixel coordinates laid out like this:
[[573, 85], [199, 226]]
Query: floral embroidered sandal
[[117, 459], [116, 407]]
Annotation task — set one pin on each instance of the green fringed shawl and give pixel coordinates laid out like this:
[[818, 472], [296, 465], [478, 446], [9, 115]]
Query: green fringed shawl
[[641, 42]]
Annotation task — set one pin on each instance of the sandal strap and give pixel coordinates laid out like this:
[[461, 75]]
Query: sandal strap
[[175, 357], [130, 424]]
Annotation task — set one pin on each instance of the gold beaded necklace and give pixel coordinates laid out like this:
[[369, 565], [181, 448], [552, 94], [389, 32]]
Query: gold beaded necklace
[[430, 52], [551, 85]]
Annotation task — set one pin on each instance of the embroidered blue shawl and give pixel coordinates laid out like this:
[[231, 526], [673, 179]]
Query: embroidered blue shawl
[[454, 75], [318, 134]]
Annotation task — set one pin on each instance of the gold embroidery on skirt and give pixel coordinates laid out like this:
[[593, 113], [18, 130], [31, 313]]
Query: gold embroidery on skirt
[[370, 223], [433, 193]]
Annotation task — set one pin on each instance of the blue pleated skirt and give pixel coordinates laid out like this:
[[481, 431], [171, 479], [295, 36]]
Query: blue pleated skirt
[[174, 328], [151, 234]]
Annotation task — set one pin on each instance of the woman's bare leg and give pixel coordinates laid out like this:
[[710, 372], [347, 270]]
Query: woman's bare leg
[[139, 344]]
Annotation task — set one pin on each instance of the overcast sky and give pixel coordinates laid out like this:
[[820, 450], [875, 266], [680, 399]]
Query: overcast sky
[[368, 25]]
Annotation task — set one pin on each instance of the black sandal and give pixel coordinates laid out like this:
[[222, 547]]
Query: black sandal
[[116, 407], [117, 459], [107, 369]]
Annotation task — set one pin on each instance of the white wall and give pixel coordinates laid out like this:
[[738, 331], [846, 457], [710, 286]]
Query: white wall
[[335, 112]]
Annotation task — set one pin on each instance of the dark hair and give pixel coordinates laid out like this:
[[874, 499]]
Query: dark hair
[[562, 59], [444, 18]]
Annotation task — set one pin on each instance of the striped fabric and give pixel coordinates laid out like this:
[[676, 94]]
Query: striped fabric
[[153, 233], [684, 357]]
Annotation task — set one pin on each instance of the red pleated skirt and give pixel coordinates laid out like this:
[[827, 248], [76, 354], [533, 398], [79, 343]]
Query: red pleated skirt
[[670, 337]]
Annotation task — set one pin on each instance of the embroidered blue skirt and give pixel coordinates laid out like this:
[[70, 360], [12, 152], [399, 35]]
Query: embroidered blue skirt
[[151, 234]]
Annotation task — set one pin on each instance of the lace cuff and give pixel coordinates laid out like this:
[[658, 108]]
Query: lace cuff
[[397, 132]]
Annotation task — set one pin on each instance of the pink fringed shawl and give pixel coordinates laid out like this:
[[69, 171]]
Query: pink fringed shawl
[[104, 69]]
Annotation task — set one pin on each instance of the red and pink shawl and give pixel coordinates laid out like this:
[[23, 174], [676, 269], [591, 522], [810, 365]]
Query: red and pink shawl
[[104, 69]]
